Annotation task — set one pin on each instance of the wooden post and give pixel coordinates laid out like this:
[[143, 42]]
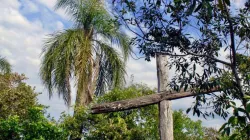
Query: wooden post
[[165, 106], [147, 100]]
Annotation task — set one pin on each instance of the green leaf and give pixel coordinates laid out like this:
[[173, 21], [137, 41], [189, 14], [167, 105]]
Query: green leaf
[[198, 7], [191, 8], [220, 4], [198, 113], [248, 108], [232, 137], [228, 130], [241, 110], [222, 127], [247, 97], [235, 112], [185, 88], [233, 120], [188, 110], [227, 2]]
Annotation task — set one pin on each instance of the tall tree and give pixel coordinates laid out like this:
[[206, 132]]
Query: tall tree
[[5, 66], [85, 53], [195, 34]]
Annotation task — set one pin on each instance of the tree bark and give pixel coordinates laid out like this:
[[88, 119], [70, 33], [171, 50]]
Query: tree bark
[[165, 107]]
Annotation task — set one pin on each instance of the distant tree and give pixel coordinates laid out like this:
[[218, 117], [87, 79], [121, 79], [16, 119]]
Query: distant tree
[[185, 128], [21, 116], [16, 97], [213, 134], [85, 53], [5, 66]]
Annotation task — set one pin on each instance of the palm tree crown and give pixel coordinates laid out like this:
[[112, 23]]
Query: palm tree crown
[[85, 52]]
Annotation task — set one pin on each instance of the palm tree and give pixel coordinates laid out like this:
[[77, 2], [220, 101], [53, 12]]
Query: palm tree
[[85, 53], [5, 66]]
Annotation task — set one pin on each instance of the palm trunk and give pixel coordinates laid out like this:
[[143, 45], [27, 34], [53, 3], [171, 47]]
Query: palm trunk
[[165, 107], [85, 95]]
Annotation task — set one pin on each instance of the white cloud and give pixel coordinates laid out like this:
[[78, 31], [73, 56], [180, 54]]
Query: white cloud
[[59, 25], [11, 18], [143, 72], [51, 5], [29, 6], [6, 52], [238, 3], [21, 43], [33, 61], [10, 4]]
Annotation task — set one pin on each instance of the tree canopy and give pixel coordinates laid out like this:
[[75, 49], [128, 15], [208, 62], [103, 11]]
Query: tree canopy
[[195, 35], [139, 124], [22, 117]]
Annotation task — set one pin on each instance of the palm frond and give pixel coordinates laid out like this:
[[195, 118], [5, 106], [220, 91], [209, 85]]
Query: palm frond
[[112, 69], [110, 31], [72, 54], [58, 62], [5, 66], [84, 13], [123, 42]]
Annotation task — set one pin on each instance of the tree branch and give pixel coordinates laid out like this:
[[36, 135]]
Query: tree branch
[[234, 66]]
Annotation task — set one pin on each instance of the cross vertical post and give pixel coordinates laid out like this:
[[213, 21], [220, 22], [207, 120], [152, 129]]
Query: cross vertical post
[[165, 106]]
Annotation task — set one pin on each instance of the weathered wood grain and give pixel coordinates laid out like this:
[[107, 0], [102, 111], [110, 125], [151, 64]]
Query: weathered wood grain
[[144, 101]]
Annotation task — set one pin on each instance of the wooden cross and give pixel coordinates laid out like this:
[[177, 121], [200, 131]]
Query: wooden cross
[[162, 98]]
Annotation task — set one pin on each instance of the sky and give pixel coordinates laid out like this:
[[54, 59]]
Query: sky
[[25, 24]]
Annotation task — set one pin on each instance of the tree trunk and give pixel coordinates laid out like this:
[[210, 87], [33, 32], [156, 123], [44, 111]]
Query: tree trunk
[[82, 99], [165, 107]]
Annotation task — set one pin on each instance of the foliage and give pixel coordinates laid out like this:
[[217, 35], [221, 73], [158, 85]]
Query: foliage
[[213, 134], [15, 96], [85, 53], [5, 66], [131, 124], [21, 116], [185, 128], [195, 34], [34, 126]]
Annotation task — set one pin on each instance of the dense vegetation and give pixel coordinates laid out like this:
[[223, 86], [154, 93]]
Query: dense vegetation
[[23, 118]]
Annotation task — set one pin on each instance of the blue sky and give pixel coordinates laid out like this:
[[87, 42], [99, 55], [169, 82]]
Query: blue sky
[[24, 25]]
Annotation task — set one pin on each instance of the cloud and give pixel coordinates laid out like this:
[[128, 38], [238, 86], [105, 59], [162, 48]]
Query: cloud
[[29, 7], [51, 5], [21, 42], [142, 71], [239, 3], [6, 52], [59, 25]]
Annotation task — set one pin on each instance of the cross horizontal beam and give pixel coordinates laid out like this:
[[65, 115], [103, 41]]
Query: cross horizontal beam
[[144, 101]]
